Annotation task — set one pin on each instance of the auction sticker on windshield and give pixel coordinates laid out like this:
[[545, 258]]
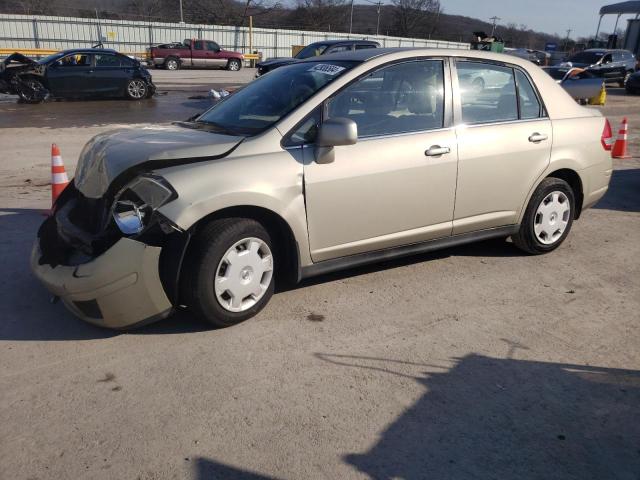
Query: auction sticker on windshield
[[327, 69]]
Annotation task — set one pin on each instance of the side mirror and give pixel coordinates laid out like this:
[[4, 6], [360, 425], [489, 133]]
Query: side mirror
[[333, 133]]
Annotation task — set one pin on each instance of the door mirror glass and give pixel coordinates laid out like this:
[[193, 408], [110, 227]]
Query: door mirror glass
[[337, 131]]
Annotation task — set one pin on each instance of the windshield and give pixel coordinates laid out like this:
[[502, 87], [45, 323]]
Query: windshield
[[266, 100], [586, 57], [50, 58], [312, 50]]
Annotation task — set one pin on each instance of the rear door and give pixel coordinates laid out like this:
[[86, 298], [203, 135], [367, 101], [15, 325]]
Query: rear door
[[72, 75], [504, 143], [199, 54], [111, 73]]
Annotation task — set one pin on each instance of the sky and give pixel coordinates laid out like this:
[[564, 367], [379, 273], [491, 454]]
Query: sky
[[549, 16]]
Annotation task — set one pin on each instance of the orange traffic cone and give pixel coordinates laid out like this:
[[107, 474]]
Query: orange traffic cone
[[59, 179], [620, 147]]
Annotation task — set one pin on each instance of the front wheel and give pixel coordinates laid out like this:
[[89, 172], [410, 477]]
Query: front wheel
[[31, 90], [137, 89], [228, 276], [548, 217], [234, 65]]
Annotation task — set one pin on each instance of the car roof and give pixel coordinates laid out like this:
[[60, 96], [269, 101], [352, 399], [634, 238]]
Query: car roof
[[88, 50], [334, 42], [370, 53], [604, 50]]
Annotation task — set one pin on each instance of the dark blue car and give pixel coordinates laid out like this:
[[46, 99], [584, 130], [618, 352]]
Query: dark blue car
[[77, 73]]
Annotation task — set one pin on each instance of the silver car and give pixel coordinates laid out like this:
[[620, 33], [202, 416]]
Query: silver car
[[326, 164]]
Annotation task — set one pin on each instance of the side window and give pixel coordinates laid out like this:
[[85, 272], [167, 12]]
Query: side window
[[362, 47], [487, 93], [77, 60], [199, 45], [401, 98], [105, 60], [305, 132], [213, 46], [339, 48], [127, 62], [607, 59], [529, 103]]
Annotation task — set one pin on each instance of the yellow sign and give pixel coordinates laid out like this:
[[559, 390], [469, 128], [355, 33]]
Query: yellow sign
[[111, 35]]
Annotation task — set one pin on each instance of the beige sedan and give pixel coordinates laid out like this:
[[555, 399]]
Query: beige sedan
[[325, 164]]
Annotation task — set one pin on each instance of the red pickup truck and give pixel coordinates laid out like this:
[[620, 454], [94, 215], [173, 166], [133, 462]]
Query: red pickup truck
[[194, 53]]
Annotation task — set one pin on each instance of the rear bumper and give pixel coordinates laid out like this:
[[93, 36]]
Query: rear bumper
[[119, 289]]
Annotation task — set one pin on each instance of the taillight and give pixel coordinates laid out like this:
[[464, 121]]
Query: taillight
[[607, 136]]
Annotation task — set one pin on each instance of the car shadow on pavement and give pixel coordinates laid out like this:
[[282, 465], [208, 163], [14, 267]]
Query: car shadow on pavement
[[624, 191], [506, 418], [492, 418]]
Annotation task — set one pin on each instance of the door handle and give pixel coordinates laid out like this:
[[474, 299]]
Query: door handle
[[437, 150], [538, 137]]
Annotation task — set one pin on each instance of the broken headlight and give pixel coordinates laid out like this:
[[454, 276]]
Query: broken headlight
[[134, 205]]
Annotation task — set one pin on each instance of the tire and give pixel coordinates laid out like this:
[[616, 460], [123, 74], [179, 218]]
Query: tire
[[137, 89], [234, 65], [32, 91], [623, 82], [210, 280], [171, 63], [533, 236]]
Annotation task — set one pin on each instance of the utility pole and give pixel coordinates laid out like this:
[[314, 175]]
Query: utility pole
[[351, 19], [495, 20], [378, 22], [566, 40], [181, 16]]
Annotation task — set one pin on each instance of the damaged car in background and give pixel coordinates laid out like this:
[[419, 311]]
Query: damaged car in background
[[326, 164], [80, 73]]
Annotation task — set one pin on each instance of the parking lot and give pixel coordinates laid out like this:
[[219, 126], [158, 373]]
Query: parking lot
[[472, 362]]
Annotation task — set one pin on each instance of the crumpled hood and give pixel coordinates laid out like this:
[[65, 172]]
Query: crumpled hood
[[110, 154]]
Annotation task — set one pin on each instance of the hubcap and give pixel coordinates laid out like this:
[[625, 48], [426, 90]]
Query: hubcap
[[137, 89], [233, 66], [243, 275], [172, 64], [552, 218]]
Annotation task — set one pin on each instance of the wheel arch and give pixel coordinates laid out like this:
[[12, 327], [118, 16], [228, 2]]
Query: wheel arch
[[569, 175], [575, 182], [284, 241]]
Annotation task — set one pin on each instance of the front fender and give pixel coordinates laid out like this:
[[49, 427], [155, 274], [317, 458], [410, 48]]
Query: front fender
[[272, 181]]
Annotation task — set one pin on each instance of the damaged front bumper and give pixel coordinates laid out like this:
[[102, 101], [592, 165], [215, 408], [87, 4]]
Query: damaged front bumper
[[101, 275], [119, 289]]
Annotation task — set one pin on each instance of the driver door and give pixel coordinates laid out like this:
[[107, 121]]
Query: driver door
[[396, 185], [72, 75]]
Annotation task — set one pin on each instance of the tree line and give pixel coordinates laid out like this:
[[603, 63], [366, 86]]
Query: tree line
[[401, 18]]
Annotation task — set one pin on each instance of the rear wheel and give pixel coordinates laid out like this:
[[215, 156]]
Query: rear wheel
[[234, 65], [229, 272], [172, 63], [548, 217], [623, 82]]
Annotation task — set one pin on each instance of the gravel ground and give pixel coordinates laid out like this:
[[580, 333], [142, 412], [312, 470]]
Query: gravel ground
[[470, 363]]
